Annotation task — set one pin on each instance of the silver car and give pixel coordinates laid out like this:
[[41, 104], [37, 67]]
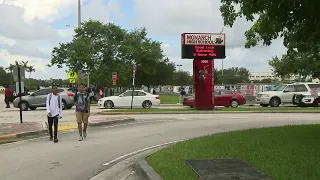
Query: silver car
[[38, 99]]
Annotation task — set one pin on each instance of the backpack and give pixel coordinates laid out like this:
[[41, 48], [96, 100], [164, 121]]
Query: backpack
[[50, 96], [84, 99], [76, 97]]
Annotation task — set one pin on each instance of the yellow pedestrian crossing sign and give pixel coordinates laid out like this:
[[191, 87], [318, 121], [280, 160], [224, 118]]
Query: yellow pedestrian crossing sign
[[72, 81], [72, 75]]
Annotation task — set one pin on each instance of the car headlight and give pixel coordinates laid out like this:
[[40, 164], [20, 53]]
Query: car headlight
[[264, 95]]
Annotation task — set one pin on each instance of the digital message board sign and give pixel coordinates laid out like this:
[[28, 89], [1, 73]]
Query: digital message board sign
[[203, 46]]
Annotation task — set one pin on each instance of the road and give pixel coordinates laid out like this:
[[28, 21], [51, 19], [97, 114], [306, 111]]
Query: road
[[74, 160]]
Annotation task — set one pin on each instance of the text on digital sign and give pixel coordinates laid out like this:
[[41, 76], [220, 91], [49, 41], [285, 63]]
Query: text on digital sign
[[204, 51]]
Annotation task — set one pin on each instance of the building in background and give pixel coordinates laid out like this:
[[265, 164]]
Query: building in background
[[258, 76]]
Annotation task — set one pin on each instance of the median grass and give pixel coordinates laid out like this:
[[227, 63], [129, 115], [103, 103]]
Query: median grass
[[169, 99], [284, 153], [191, 110]]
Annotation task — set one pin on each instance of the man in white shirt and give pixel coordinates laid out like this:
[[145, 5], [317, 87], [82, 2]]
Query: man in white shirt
[[54, 110]]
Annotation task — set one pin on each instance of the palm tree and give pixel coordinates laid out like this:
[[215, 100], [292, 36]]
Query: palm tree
[[10, 68], [25, 64], [30, 69]]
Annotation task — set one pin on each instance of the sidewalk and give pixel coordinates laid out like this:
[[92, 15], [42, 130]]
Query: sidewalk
[[15, 131], [9, 131]]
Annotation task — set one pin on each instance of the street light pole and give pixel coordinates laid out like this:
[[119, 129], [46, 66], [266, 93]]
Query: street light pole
[[79, 13], [222, 60], [79, 26]]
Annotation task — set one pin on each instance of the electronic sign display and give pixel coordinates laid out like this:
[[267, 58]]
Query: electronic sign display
[[202, 46]]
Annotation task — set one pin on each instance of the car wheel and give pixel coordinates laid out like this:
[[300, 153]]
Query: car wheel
[[264, 105], [108, 105], [146, 104], [274, 102], [64, 105], [24, 106], [191, 106], [33, 108], [234, 103]]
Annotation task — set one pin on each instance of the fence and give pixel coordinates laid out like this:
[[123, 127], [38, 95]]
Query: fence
[[249, 90]]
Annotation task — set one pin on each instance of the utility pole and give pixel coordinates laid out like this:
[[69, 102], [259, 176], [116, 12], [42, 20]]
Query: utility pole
[[222, 61], [79, 26]]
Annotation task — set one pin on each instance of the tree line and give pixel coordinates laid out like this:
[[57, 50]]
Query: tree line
[[297, 22], [6, 73], [102, 49]]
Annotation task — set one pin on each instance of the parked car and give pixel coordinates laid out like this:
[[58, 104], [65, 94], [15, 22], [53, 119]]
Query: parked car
[[309, 98], [222, 97], [140, 99], [38, 99], [15, 94], [282, 94]]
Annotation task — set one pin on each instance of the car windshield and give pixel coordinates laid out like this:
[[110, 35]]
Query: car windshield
[[279, 87]]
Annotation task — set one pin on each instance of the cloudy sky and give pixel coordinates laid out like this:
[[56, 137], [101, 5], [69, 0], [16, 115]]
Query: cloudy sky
[[29, 29]]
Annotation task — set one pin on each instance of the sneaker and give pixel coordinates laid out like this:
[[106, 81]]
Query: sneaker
[[80, 138], [55, 140], [85, 134], [51, 139]]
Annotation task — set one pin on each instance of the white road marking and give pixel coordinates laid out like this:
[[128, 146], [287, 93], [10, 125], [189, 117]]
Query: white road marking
[[132, 172], [140, 151]]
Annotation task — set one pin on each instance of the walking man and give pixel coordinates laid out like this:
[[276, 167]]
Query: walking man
[[82, 102], [54, 110]]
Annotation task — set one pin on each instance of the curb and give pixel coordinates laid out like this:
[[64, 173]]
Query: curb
[[205, 112], [13, 137], [111, 123], [145, 170]]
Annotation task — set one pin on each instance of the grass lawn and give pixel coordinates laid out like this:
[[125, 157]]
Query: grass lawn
[[284, 153], [169, 99], [190, 110]]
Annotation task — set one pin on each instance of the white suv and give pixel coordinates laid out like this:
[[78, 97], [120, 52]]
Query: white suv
[[283, 94]]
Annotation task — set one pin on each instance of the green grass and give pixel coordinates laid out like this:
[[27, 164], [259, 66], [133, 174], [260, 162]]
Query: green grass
[[169, 99], [284, 153]]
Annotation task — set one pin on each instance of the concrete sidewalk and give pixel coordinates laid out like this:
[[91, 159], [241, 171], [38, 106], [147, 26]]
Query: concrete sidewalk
[[16, 131]]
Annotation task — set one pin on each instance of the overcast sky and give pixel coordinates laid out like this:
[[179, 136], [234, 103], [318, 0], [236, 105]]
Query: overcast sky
[[29, 29]]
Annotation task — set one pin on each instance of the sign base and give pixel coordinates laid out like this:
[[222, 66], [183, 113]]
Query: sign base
[[203, 84]]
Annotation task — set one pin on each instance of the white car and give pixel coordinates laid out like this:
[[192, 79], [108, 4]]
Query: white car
[[140, 99], [283, 94]]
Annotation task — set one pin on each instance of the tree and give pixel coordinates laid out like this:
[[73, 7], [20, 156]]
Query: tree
[[107, 48], [10, 68], [4, 80], [295, 63], [181, 78], [232, 75], [296, 21], [30, 69]]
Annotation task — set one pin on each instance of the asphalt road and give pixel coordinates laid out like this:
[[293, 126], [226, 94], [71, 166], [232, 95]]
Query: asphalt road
[[73, 160]]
